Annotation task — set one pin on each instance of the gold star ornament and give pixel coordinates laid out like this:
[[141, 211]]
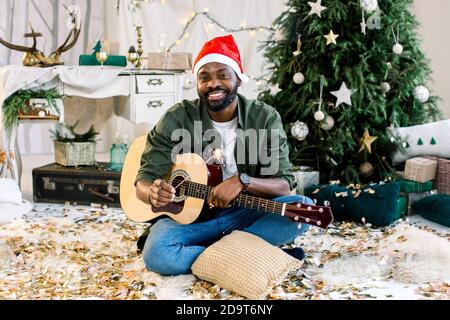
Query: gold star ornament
[[331, 37], [366, 141]]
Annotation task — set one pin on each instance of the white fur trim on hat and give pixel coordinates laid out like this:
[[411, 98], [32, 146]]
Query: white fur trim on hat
[[220, 58]]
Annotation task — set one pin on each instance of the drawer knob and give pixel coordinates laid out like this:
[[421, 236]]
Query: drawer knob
[[154, 104], [154, 82]]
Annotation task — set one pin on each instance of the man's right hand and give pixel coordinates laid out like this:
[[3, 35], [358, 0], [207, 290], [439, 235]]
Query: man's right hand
[[161, 193]]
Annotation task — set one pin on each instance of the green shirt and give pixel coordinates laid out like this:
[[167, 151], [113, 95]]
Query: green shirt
[[261, 158]]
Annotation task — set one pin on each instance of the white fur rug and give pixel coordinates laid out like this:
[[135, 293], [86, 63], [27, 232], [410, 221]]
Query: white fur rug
[[65, 252]]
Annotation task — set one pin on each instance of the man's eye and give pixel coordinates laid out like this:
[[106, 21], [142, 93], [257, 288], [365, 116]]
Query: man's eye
[[223, 76]]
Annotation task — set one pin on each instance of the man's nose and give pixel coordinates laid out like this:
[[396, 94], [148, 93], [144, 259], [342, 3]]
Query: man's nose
[[213, 82]]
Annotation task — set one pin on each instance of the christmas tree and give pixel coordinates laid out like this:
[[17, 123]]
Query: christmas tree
[[347, 72]]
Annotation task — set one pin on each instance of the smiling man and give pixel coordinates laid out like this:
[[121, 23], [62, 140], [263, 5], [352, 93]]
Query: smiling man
[[259, 166]]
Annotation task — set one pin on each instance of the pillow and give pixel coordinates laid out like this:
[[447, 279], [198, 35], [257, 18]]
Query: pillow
[[378, 208], [429, 139], [434, 208], [245, 264], [10, 191]]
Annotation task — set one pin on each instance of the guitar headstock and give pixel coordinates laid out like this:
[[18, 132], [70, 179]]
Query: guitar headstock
[[319, 216]]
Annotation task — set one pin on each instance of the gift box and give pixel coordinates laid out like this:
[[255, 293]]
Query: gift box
[[409, 186], [169, 61], [414, 197], [305, 179], [402, 207], [443, 176], [420, 169]]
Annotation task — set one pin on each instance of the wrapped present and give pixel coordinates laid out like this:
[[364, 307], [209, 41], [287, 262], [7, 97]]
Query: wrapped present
[[414, 197], [443, 176], [169, 61], [304, 179], [402, 207], [409, 186], [420, 169]]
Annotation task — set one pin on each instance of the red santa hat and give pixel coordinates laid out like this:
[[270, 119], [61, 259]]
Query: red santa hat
[[223, 50]]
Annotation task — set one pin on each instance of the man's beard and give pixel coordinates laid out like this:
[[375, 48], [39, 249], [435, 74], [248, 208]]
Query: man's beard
[[221, 104]]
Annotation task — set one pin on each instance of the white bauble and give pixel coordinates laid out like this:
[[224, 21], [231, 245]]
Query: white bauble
[[397, 48], [298, 78], [299, 130], [369, 5], [385, 87], [319, 115], [328, 123], [421, 93], [41, 114]]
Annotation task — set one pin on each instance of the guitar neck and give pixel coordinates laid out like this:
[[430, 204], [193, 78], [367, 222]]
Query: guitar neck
[[201, 191]]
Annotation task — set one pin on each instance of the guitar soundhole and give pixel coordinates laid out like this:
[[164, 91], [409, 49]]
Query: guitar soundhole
[[177, 180]]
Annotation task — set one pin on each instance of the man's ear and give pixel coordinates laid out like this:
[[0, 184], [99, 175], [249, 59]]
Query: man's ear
[[239, 82]]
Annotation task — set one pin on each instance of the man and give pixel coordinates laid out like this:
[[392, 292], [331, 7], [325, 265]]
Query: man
[[172, 248]]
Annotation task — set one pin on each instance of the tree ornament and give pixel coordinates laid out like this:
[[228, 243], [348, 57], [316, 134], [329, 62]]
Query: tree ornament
[[366, 141], [299, 130], [363, 23], [319, 115], [298, 78], [421, 93], [343, 95], [366, 169], [299, 46], [328, 123], [369, 5], [331, 37], [397, 48], [385, 87], [316, 7]]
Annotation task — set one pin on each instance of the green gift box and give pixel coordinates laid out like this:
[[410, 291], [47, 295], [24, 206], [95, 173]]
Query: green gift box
[[90, 60], [402, 207], [409, 186]]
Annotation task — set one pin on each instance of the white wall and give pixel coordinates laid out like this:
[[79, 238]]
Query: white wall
[[435, 25]]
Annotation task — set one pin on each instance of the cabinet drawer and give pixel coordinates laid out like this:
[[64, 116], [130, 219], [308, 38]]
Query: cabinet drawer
[[155, 83], [151, 108]]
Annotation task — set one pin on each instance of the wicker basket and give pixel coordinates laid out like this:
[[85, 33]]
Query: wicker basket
[[75, 153], [169, 61]]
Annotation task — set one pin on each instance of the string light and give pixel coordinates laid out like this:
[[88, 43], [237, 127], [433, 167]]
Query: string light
[[213, 22]]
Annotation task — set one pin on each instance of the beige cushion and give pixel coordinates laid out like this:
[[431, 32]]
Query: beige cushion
[[245, 264]]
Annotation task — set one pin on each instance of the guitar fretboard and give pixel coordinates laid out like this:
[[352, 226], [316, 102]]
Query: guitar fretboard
[[201, 191]]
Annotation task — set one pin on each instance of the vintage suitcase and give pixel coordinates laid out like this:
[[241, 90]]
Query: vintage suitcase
[[84, 185]]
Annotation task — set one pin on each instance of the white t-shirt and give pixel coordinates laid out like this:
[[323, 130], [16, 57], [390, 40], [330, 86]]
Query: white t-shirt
[[227, 131]]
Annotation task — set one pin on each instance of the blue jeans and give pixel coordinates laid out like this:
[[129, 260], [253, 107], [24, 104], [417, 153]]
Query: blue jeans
[[171, 248]]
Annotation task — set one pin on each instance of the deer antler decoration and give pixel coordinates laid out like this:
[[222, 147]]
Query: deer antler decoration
[[35, 58]]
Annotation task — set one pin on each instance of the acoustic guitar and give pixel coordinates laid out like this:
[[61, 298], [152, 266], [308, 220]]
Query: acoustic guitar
[[193, 179]]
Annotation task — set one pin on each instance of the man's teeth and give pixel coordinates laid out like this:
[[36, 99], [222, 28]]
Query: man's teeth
[[215, 95]]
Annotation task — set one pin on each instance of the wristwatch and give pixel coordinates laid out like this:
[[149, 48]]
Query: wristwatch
[[245, 180]]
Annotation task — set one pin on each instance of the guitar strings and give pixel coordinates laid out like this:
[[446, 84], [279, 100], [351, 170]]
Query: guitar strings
[[194, 188]]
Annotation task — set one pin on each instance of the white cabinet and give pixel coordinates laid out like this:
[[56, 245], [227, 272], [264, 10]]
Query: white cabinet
[[151, 94]]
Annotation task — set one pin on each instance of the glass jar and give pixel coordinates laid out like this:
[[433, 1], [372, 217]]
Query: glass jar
[[118, 153]]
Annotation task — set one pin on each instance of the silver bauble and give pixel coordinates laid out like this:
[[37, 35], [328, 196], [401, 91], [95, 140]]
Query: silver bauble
[[397, 48], [421, 93], [299, 130], [328, 123], [319, 115], [369, 5], [298, 78], [385, 87]]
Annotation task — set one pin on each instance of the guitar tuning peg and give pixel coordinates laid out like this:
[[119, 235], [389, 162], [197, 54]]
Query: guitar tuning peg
[[326, 203], [315, 201]]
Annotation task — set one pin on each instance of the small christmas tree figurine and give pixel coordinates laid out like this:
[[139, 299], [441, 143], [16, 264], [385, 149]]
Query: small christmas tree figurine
[[360, 70]]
